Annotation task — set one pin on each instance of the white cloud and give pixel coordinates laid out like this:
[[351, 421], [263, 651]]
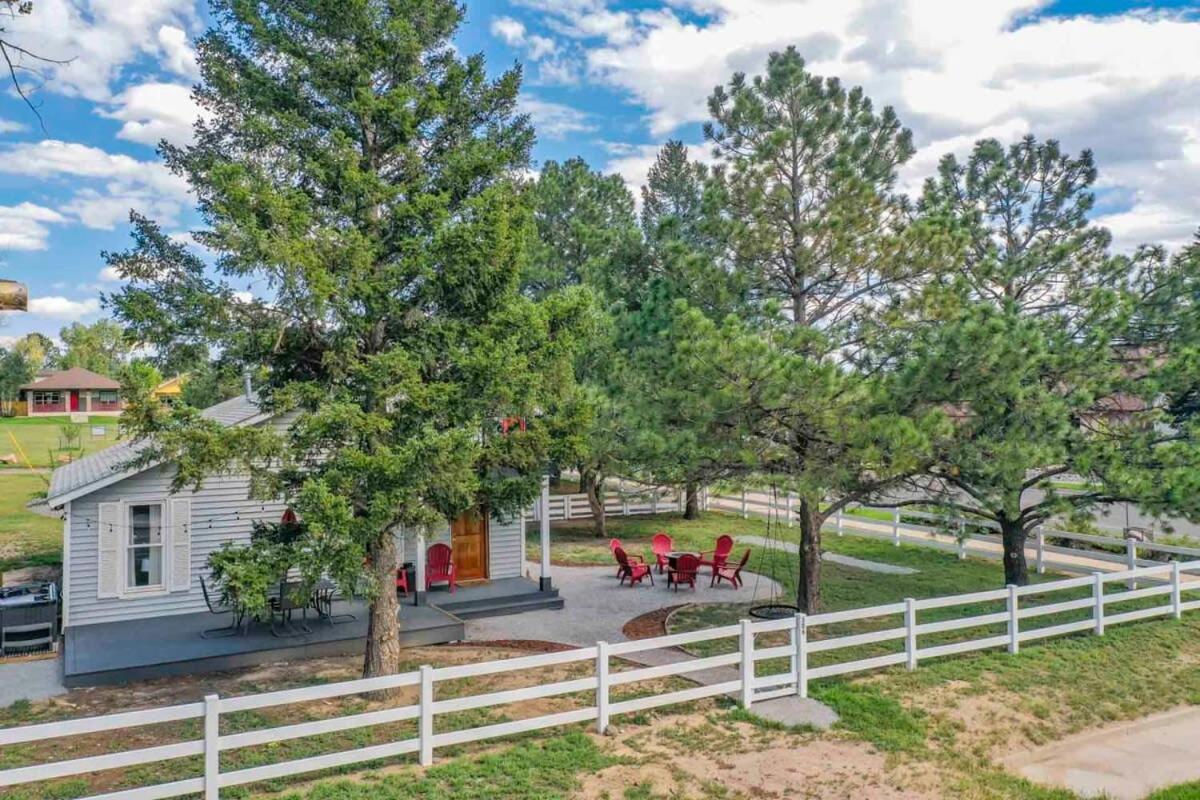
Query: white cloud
[[155, 111], [109, 275], [124, 182], [100, 38], [58, 307], [24, 226], [177, 53], [1126, 85], [243, 297], [513, 33], [554, 120], [9, 126]]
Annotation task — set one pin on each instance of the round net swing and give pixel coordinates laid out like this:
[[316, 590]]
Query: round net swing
[[773, 609]]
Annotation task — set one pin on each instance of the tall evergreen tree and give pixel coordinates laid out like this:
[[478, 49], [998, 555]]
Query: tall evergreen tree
[[587, 236], [1032, 347], [825, 245], [366, 177]]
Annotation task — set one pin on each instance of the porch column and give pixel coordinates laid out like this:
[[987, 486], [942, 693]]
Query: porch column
[[544, 523], [419, 589]]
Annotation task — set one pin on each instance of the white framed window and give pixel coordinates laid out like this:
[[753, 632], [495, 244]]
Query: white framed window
[[108, 396], [47, 398], [144, 546]]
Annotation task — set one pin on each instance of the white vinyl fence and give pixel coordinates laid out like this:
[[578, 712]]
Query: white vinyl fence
[[620, 501], [909, 525], [790, 669]]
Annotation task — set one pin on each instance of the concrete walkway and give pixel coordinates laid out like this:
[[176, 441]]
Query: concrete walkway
[[833, 558], [1124, 762], [30, 680], [597, 608]]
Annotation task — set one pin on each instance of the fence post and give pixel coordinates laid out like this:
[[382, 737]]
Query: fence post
[[1098, 601], [962, 538], [1176, 593], [910, 632], [1041, 551], [624, 497], [212, 751], [682, 499], [896, 526], [566, 505], [801, 639], [654, 501], [747, 642], [425, 728], [839, 522], [1014, 628], [1131, 562], [744, 515], [601, 687], [788, 503]]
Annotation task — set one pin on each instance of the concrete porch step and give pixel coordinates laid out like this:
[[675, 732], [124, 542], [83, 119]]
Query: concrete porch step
[[499, 606]]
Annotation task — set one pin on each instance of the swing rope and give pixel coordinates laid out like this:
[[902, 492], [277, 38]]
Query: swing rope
[[772, 609]]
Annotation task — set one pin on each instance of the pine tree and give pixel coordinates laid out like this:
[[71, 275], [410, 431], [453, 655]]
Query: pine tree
[[364, 180]]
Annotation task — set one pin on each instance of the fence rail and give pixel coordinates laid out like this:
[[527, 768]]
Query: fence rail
[[762, 672], [903, 523]]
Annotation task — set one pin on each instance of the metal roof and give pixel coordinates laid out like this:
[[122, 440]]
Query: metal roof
[[109, 465]]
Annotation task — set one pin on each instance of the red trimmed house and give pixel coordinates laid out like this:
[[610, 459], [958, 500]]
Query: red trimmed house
[[71, 390]]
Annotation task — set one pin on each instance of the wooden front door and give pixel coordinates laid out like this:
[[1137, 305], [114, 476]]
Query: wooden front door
[[74, 400], [469, 540]]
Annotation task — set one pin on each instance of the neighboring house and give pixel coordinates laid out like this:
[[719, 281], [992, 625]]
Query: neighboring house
[[134, 555], [71, 390], [169, 391]]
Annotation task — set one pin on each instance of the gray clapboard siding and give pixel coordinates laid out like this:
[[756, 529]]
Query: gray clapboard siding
[[506, 547], [221, 512]]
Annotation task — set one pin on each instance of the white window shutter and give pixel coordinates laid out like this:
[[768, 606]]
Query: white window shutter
[[181, 544], [108, 580]]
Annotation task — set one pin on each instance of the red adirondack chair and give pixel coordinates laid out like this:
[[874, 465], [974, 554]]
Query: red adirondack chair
[[402, 580], [731, 574], [633, 570], [717, 557], [613, 544], [439, 566], [684, 571], [661, 544]]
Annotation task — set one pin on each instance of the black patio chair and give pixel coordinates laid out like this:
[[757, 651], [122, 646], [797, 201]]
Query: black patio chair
[[323, 598], [219, 607], [282, 608]]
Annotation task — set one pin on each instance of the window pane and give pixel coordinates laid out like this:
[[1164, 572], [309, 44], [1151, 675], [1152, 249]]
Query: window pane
[[145, 545], [145, 524], [145, 566]]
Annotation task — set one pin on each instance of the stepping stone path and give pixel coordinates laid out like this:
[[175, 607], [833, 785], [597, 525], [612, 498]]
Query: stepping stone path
[[834, 558]]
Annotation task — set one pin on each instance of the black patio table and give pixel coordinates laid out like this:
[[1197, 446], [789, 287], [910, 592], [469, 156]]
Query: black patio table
[[673, 556]]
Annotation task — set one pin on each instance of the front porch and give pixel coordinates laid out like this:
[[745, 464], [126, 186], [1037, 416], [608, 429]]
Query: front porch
[[159, 647]]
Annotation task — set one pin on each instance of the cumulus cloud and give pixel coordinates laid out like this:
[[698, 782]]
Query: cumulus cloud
[[109, 275], [24, 226], [1126, 85], [101, 38], [57, 307], [155, 111], [513, 33], [120, 182], [10, 126], [554, 120], [177, 53]]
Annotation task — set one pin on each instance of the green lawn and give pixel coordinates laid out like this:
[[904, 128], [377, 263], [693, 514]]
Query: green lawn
[[42, 441], [26, 538]]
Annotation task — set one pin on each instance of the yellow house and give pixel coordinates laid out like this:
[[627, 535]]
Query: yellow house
[[169, 391]]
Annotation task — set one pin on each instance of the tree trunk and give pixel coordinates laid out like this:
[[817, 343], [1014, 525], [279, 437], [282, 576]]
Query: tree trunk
[[383, 628], [1016, 572], [808, 583], [593, 488], [691, 509]]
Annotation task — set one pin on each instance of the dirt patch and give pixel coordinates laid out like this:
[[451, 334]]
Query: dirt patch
[[651, 624], [699, 756]]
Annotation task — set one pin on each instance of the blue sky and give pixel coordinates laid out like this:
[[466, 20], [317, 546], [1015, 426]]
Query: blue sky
[[611, 81]]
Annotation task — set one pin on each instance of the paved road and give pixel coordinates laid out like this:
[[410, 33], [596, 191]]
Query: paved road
[[1125, 762]]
